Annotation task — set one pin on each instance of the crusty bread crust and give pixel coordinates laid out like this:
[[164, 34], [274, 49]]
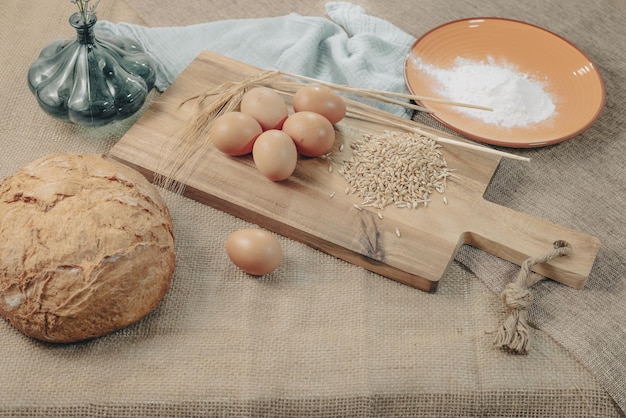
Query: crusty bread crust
[[86, 247]]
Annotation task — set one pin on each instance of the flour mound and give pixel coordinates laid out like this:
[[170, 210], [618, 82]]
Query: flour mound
[[517, 99]]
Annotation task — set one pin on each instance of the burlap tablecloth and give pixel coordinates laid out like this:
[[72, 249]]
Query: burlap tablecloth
[[320, 337]]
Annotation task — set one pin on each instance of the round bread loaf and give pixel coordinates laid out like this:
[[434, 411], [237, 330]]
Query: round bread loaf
[[86, 247]]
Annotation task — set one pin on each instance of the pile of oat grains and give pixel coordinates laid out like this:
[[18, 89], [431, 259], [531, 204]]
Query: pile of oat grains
[[395, 168]]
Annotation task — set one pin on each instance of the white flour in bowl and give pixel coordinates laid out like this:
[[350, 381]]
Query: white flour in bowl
[[516, 99]]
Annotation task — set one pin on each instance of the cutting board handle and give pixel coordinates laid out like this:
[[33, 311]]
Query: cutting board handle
[[516, 237]]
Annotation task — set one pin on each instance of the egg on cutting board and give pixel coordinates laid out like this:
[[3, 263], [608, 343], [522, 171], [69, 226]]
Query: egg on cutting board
[[275, 155], [312, 133], [321, 100], [234, 133], [266, 106]]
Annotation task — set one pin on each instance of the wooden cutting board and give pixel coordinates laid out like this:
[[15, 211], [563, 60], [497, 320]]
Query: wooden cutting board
[[302, 208]]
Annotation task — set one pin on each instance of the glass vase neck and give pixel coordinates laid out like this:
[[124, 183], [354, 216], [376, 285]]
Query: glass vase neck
[[84, 30]]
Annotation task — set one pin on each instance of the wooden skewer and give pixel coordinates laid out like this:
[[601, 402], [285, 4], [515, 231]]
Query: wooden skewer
[[371, 114], [279, 85], [472, 146], [436, 100], [411, 127], [378, 93]]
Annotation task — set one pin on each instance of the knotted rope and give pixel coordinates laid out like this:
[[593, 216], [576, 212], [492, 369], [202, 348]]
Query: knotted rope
[[513, 334]]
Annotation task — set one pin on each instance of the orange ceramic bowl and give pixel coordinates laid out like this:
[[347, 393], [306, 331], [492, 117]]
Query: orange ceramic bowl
[[570, 78]]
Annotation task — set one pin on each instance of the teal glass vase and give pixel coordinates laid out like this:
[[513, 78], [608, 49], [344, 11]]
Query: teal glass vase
[[91, 80]]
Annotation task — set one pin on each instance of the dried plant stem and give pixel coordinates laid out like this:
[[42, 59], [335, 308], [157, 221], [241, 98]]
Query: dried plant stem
[[85, 10], [179, 163]]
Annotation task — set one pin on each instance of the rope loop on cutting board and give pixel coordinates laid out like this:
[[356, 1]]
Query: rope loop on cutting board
[[514, 333]]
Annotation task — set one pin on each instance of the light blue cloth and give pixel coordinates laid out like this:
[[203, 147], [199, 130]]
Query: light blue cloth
[[349, 48]]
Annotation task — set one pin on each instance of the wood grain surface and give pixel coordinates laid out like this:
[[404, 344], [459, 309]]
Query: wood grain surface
[[302, 208]]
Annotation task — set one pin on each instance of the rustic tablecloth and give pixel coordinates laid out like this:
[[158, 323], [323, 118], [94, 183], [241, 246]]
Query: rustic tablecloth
[[320, 337]]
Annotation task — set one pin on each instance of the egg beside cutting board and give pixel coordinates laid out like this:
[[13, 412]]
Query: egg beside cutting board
[[255, 251]]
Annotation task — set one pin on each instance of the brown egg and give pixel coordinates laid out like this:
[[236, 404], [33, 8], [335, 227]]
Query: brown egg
[[254, 251], [275, 155], [322, 100], [312, 133], [266, 106], [234, 133]]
